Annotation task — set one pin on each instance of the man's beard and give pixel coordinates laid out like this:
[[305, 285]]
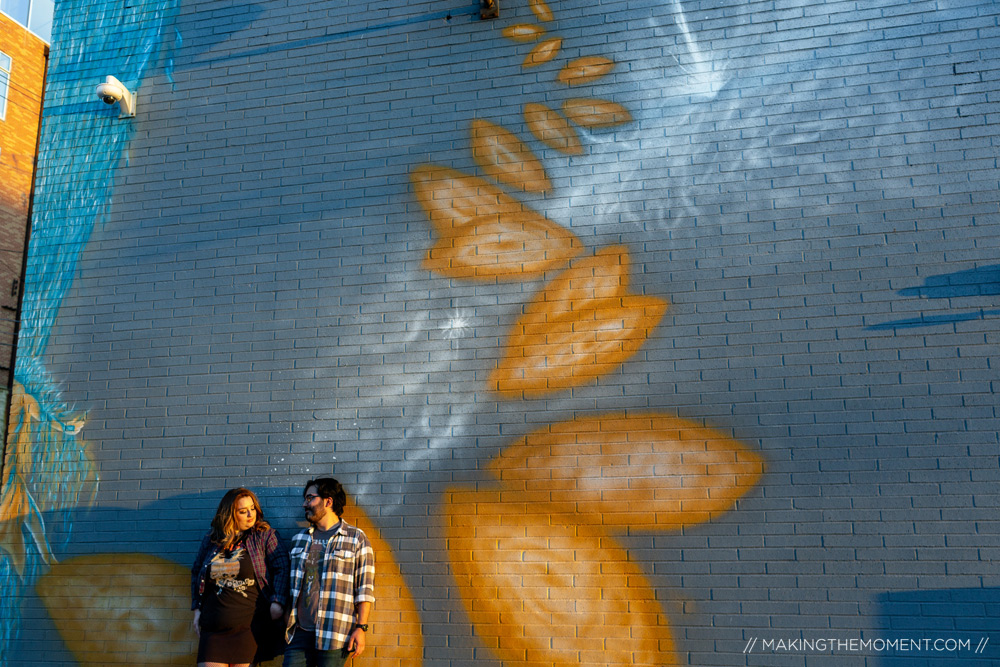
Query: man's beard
[[316, 515]]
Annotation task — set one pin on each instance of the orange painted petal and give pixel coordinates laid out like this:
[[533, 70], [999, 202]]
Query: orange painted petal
[[585, 70], [541, 10], [507, 248], [590, 279], [543, 53], [452, 199], [545, 594], [578, 327], [396, 639], [595, 113], [641, 471], [506, 158], [546, 356], [552, 129], [486, 234], [121, 609], [523, 32]]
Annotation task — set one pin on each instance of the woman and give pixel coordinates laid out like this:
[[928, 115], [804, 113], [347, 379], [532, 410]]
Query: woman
[[241, 570]]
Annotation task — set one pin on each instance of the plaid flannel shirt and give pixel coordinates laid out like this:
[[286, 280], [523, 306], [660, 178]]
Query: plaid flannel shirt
[[346, 578]]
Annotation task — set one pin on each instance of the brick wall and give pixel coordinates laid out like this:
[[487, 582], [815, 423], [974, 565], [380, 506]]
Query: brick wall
[[639, 333], [17, 162]]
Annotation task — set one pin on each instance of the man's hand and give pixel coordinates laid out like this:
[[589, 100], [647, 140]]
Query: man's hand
[[356, 642], [276, 611], [196, 623]]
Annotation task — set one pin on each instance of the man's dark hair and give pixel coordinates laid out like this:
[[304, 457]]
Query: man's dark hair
[[328, 487]]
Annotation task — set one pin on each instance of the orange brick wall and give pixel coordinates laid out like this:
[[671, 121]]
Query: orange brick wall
[[18, 135]]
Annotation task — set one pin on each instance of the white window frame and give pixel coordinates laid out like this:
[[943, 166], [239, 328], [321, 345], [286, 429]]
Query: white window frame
[[6, 65]]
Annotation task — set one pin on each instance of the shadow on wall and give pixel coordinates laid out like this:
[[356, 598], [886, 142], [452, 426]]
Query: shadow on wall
[[983, 281], [953, 626], [537, 575], [132, 608]]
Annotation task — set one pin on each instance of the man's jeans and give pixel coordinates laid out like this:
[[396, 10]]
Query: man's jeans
[[302, 652]]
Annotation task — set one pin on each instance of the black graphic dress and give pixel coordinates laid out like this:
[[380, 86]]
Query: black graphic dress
[[227, 609]]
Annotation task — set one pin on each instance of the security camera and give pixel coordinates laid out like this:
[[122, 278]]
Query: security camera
[[112, 91]]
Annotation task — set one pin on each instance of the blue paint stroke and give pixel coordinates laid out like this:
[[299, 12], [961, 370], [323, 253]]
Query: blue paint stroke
[[967, 615], [934, 320], [81, 145], [978, 282]]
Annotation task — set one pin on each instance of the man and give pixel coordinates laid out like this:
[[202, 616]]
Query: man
[[332, 582]]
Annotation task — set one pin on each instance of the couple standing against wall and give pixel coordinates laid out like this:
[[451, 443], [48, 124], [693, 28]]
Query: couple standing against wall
[[241, 588]]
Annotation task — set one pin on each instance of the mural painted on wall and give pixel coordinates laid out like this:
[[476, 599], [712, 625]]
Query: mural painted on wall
[[133, 609], [534, 554], [48, 470], [533, 522]]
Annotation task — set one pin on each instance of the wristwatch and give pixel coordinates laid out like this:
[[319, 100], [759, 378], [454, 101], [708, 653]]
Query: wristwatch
[[363, 626]]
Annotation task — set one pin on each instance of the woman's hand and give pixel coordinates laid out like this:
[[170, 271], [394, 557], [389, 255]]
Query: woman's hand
[[276, 611], [196, 623]]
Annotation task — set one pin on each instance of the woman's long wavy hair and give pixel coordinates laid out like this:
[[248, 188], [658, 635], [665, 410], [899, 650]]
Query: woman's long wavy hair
[[224, 531]]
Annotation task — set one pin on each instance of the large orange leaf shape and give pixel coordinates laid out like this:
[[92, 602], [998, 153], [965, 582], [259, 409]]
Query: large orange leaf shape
[[121, 609], [396, 639], [484, 233], [552, 129], [578, 327], [506, 158], [542, 594], [645, 471]]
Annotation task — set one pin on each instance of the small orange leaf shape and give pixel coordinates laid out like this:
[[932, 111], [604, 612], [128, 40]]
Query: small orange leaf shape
[[595, 113], [541, 10], [578, 327], [645, 471], [544, 594], [506, 158], [396, 639], [585, 70], [121, 609], [523, 32], [543, 53], [486, 234], [552, 129]]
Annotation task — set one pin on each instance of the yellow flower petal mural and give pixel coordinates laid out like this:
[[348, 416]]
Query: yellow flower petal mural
[[121, 609], [543, 53], [484, 233], [523, 32], [543, 594], [585, 70], [541, 10], [505, 157], [596, 113], [578, 327], [396, 639], [644, 471], [552, 129]]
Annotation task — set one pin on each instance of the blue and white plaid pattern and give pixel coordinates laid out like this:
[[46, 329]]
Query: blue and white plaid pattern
[[346, 578]]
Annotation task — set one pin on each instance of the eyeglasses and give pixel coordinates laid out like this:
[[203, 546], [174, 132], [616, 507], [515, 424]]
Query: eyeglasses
[[310, 497]]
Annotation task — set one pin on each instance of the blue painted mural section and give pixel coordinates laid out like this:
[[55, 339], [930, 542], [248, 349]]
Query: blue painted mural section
[[955, 626], [971, 285], [73, 193]]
